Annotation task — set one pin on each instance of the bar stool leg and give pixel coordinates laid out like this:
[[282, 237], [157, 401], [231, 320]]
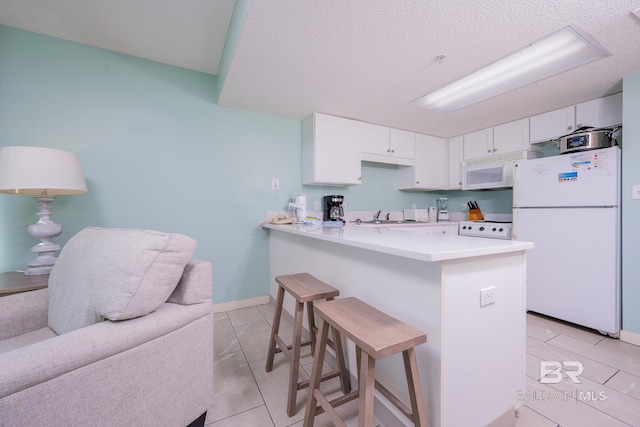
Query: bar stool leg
[[275, 327], [316, 373], [366, 388], [415, 390], [342, 366], [312, 325], [295, 359]]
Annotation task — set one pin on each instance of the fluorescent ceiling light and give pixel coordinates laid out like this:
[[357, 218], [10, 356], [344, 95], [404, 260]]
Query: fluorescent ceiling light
[[560, 51]]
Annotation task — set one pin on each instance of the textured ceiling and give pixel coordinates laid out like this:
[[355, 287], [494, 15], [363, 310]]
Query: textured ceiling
[[363, 59]]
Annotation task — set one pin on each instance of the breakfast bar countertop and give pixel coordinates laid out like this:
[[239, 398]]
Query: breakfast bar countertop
[[414, 242]]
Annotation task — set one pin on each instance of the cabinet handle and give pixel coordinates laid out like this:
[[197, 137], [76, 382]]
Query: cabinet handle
[[417, 182], [579, 125], [393, 151], [359, 178], [488, 151], [388, 150], [495, 149], [569, 127]]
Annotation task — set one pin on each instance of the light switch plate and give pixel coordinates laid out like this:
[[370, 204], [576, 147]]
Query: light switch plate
[[635, 191]]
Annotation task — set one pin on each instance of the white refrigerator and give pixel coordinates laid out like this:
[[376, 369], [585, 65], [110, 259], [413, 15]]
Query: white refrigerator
[[569, 207]]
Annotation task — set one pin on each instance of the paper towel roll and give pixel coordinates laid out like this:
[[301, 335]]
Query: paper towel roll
[[433, 214]]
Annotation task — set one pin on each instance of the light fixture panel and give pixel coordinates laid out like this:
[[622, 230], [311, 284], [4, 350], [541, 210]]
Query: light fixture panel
[[560, 51]]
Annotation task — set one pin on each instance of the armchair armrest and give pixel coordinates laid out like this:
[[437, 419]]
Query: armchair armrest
[[51, 358], [24, 312]]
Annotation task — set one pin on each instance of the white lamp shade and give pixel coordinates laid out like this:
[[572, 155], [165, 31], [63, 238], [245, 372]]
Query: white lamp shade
[[36, 171]]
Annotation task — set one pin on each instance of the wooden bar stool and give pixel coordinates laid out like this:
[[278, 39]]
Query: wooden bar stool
[[376, 335], [305, 289]]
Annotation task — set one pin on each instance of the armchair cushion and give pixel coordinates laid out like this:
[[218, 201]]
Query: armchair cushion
[[114, 274]]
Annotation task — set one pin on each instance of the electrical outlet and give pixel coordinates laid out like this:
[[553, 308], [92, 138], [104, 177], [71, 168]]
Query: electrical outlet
[[316, 205], [275, 184], [487, 296]]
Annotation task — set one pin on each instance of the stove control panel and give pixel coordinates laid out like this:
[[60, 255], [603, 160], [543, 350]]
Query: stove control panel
[[491, 230]]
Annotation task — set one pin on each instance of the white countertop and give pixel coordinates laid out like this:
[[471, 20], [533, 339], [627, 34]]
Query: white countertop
[[410, 242]]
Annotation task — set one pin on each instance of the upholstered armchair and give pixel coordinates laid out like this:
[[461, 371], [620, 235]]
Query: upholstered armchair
[[123, 336]]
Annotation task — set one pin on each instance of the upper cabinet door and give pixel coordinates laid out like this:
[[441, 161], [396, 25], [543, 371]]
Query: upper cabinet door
[[455, 158], [601, 112], [431, 164], [330, 151], [430, 167], [552, 125], [374, 139], [510, 137], [478, 144], [402, 143]]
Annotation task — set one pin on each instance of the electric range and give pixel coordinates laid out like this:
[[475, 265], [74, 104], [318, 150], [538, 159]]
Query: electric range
[[487, 229]]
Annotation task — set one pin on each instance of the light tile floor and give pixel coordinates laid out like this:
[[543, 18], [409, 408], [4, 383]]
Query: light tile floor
[[608, 393]]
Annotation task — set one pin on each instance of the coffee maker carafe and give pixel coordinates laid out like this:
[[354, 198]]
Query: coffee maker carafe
[[443, 213], [333, 208]]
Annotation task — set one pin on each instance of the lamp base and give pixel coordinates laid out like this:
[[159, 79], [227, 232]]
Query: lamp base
[[45, 230]]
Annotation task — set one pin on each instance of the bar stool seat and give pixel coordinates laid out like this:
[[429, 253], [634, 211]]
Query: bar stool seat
[[304, 288], [375, 335]]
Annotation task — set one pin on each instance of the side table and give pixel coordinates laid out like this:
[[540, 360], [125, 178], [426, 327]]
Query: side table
[[14, 282]]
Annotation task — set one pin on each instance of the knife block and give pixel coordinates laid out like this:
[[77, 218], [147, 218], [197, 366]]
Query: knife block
[[475, 215]]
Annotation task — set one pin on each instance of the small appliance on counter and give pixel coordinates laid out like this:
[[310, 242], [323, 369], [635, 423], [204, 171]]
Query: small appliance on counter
[[433, 214], [443, 213], [417, 215], [299, 206], [333, 208]]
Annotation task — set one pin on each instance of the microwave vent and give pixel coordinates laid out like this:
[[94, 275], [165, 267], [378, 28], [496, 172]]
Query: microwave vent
[[517, 155]]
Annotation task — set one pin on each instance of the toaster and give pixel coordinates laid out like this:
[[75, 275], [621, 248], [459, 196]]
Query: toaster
[[418, 215]]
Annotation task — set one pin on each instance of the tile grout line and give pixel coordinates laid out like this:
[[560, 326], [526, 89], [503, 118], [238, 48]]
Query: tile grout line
[[264, 402]]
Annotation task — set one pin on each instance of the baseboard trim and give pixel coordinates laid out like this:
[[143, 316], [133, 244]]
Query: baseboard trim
[[245, 303], [630, 337]]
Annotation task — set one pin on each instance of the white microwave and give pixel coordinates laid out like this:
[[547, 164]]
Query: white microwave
[[492, 172]]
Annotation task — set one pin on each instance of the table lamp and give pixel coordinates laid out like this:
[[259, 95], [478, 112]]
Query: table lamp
[[42, 173]]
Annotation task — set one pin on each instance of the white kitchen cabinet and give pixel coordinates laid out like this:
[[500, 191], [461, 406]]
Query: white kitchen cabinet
[[455, 157], [430, 165], [402, 143], [511, 137], [506, 138], [553, 124], [374, 139], [597, 113], [600, 112], [330, 151], [478, 144], [387, 145]]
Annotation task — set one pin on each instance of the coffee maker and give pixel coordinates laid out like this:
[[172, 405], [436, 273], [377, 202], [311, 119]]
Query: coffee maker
[[333, 209]]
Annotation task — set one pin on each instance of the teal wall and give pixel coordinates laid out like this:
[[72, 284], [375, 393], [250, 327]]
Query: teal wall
[[630, 207], [158, 153]]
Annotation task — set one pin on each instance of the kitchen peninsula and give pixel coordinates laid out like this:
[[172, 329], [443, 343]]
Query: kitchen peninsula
[[467, 294]]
